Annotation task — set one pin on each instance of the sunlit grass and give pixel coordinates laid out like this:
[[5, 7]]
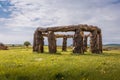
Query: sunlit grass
[[23, 64]]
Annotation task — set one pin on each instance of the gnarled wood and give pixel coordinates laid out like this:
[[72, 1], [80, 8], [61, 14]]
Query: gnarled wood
[[59, 35], [64, 45], [85, 43], [34, 42], [78, 42], [38, 44], [51, 42], [100, 42], [69, 28], [79, 45], [93, 42]]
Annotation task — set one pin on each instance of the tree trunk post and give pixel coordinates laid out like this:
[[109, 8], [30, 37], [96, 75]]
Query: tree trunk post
[[100, 42], [51, 42], [78, 42], [85, 43], [40, 42], [38, 45], [34, 42], [64, 45], [94, 42]]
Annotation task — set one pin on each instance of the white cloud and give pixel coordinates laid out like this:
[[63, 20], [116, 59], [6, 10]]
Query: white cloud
[[11, 38], [29, 14]]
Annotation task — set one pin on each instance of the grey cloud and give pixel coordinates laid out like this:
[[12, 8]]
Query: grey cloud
[[102, 13]]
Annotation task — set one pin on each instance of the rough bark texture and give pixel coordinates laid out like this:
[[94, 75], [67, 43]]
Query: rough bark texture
[[52, 42], [34, 42], [100, 42], [38, 44], [79, 45], [59, 35], [78, 42], [64, 45], [94, 42], [83, 27], [85, 43], [41, 46]]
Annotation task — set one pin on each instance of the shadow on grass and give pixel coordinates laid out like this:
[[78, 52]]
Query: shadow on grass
[[104, 54], [111, 54], [59, 76], [58, 53], [22, 77]]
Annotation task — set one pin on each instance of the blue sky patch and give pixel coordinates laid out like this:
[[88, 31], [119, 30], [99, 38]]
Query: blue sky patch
[[4, 8]]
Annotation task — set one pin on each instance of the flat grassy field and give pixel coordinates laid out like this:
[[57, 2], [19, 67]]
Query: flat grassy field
[[23, 64]]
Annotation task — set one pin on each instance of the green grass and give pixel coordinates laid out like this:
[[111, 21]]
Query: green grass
[[23, 64]]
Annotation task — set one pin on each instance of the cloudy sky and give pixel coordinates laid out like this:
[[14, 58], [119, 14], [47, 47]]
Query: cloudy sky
[[19, 18]]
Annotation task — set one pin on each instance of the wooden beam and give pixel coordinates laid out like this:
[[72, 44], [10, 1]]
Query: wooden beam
[[83, 27], [59, 35]]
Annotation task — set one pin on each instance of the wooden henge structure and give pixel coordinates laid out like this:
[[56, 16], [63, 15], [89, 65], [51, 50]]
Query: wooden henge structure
[[79, 39]]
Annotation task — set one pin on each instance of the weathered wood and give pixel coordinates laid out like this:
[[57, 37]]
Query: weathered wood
[[79, 45], [62, 35], [78, 42], [34, 42], [85, 43], [38, 44], [100, 42], [52, 42], [94, 42], [59, 35], [41, 45], [64, 45], [69, 28]]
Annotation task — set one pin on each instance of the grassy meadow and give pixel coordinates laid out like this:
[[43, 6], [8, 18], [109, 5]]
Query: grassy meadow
[[23, 64]]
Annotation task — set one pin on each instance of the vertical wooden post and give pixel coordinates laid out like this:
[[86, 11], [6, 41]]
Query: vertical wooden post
[[41, 46], [51, 42], [93, 42], [34, 42], [100, 42], [64, 45], [85, 42], [78, 42], [38, 44]]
